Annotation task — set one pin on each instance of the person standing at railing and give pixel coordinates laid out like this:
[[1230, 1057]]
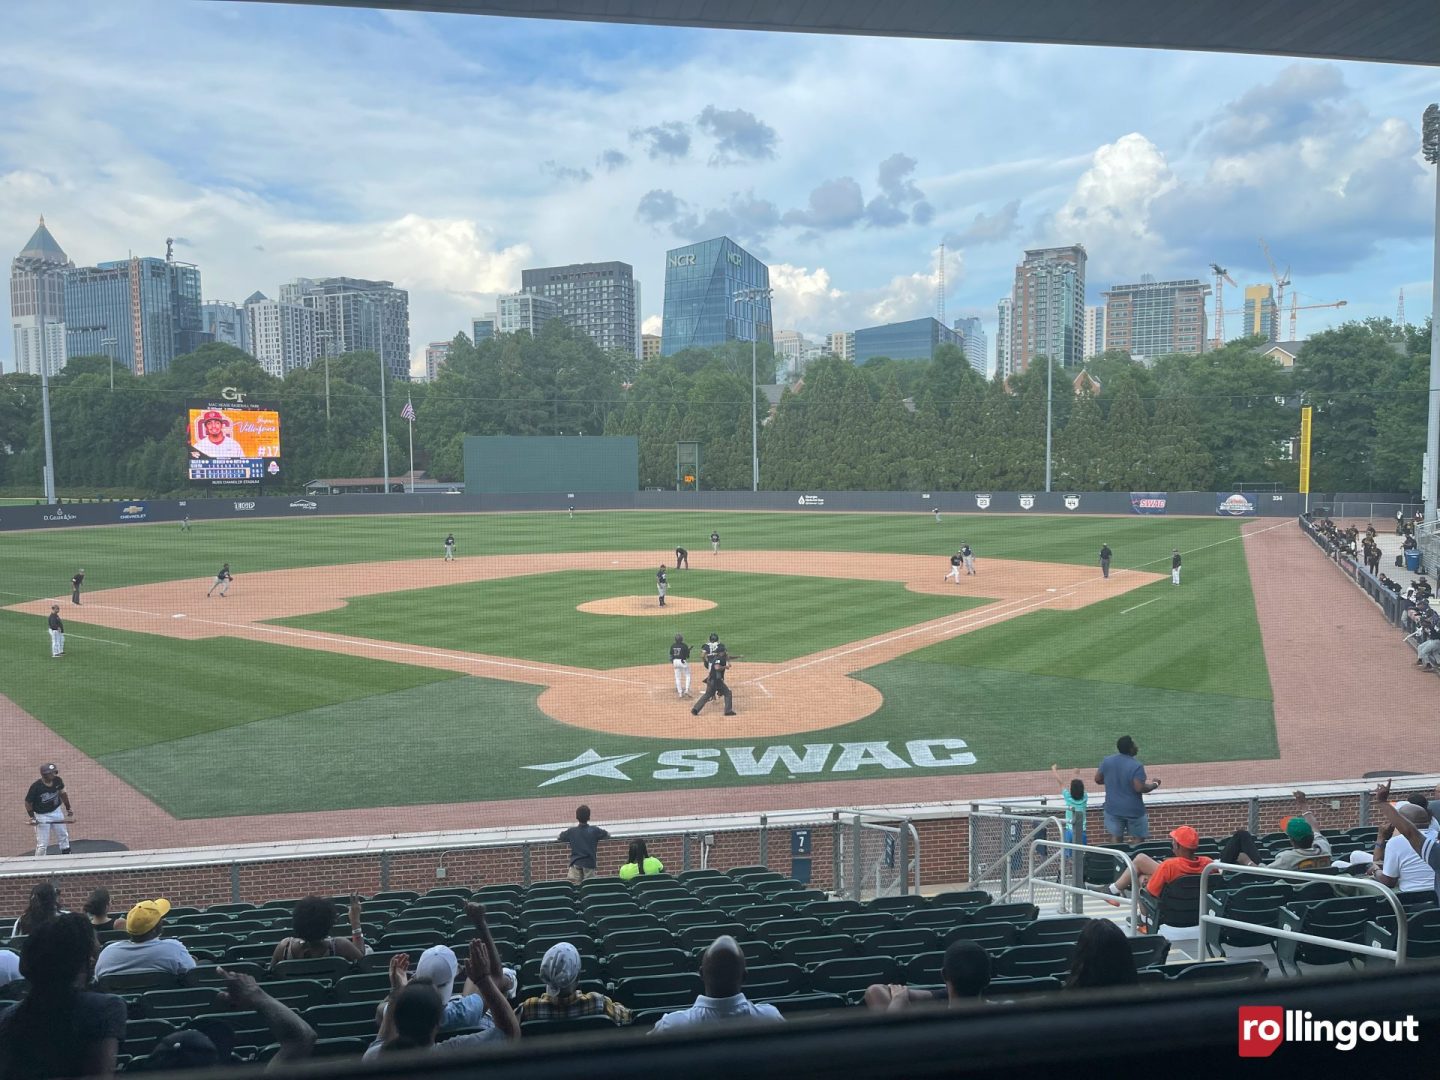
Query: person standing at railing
[[1076, 803], [1125, 783]]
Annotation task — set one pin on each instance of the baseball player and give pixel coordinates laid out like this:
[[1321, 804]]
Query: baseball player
[[715, 682], [449, 547], [572, 511], [1105, 555], [75, 582], [955, 561], [57, 632], [661, 583], [1174, 566], [680, 661], [682, 558], [222, 581], [968, 556], [48, 807], [715, 543], [185, 523], [937, 515], [707, 651]]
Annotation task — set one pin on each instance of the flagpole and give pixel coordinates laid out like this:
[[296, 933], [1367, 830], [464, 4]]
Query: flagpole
[[410, 416]]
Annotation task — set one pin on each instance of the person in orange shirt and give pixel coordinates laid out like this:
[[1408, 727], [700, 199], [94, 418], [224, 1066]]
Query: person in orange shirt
[[1154, 876]]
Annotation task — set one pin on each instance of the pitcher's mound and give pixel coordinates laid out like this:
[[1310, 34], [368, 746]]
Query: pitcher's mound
[[646, 605]]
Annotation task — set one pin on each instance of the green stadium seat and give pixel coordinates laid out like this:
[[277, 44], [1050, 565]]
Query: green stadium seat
[[1006, 913], [937, 918], [250, 1027], [559, 928], [626, 924], [753, 873], [299, 994], [1220, 971], [771, 889], [778, 930], [675, 991], [828, 909], [810, 950], [209, 974], [184, 1003], [898, 944], [989, 936], [593, 913], [795, 1004], [923, 969], [411, 941], [732, 900], [1053, 931], [139, 983], [1033, 961], [350, 1019], [1149, 950], [680, 920], [1011, 989], [671, 904], [701, 935], [1259, 904], [627, 965], [575, 1025], [369, 986], [849, 976], [396, 894], [142, 1035], [756, 914], [908, 902], [706, 876], [486, 893], [766, 981], [332, 1048], [969, 898], [1341, 919], [625, 936], [861, 923]]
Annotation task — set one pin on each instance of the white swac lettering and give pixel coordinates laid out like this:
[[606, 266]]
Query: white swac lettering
[[690, 764], [922, 753], [855, 754], [743, 758]]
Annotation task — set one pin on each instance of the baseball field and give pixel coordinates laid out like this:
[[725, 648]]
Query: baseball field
[[350, 667]]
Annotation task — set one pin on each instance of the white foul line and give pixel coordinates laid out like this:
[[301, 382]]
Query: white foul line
[[1137, 607], [106, 640]]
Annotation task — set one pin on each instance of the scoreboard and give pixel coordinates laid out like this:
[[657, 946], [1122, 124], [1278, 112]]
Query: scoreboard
[[233, 443]]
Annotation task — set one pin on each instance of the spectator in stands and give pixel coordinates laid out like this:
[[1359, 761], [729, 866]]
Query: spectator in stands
[[722, 971], [97, 910], [199, 1047], [9, 967], [1125, 784], [1397, 862], [440, 967], [560, 970], [60, 1029], [44, 905], [312, 921], [1409, 543], [1102, 958], [1076, 803], [146, 951], [415, 1012], [1423, 844], [1308, 850], [583, 839], [639, 861], [1153, 876], [965, 970]]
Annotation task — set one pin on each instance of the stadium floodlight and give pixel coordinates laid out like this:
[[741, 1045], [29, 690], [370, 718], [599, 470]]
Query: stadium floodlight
[[1430, 147], [754, 295]]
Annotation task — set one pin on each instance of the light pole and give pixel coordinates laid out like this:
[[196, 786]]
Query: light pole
[[324, 337], [1430, 144], [754, 295], [1049, 403], [108, 344], [384, 428]]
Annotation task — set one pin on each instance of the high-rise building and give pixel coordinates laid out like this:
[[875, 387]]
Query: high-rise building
[[283, 336], [1261, 316], [975, 343], [141, 312], [1004, 311], [841, 343], [790, 347], [914, 339], [701, 309], [649, 346], [1152, 318], [482, 328], [1048, 318], [436, 353], [1095, 330], [37, 304], [224, 322], [354, 315], [601, 298], [524, 312]]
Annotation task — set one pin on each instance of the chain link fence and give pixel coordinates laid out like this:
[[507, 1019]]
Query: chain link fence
[[876, 857], [1000, 841]]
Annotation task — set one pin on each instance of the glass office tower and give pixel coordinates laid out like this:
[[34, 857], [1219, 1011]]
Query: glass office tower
[[701, 311]]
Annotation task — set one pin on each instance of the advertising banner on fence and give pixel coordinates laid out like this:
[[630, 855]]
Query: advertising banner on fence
[[1236, 505], [1149, 502]]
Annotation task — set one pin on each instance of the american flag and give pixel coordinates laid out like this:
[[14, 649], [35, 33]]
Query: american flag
[[408, 412]]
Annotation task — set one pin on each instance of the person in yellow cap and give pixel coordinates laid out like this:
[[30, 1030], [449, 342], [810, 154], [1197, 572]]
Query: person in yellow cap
[[146, 950]]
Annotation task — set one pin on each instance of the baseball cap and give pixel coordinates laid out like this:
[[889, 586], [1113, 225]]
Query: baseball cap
[[213, 415], [145, 916], [48, 770], [1186, 837], [1297, 828]]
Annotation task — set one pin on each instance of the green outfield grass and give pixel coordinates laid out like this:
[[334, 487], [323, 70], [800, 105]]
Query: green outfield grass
[[224, 727], [762, 617]]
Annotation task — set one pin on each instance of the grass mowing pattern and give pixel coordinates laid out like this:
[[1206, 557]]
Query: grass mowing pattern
[[762, 617]]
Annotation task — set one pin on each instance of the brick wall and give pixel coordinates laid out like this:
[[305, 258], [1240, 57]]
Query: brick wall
[[943, 846]]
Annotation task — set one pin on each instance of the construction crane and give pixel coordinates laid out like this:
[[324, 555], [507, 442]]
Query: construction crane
[[1294, 308], [1221, 276], [1282, 281]]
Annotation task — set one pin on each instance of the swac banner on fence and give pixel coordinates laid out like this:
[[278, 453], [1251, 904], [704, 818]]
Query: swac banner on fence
[[1148, 502], [1237, 505]]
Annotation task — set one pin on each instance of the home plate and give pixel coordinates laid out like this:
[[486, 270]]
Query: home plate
[[1052, 590]]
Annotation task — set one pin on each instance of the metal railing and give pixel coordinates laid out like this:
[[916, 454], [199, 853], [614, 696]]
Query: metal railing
[[1365, 884], [1080, 891], [856, 861], [999, 870]]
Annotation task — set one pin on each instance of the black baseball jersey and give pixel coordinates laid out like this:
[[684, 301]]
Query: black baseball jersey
[[660, 578], [680, 651], [55, 623], [707, 651], [955, 559], [77, 581], [223, 574], [450, 540], [714, 538], [1105, 552], [1175, 561], [680, 553], [42, 798], [718, 663], [966, 552]]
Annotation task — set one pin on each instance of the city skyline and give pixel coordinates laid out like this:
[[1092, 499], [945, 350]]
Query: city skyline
[[807, 163]]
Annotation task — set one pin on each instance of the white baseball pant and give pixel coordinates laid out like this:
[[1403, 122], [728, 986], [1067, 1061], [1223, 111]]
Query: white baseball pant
[[44, 824]]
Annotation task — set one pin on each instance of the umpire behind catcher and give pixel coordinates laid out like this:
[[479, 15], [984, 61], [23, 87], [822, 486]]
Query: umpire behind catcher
[[715, 682]]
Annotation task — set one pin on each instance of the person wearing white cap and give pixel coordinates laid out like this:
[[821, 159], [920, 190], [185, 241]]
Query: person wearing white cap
[[146, 950], [560, 971]]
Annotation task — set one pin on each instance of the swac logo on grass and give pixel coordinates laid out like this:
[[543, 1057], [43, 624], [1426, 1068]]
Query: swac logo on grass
[[982, 501], [1072, 502], [134, 512], [1027, 502], [1264, 1028], [811, 500], [244, 506]]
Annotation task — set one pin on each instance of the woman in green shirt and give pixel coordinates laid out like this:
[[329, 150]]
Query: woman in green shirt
[[639, 861], [1076, 802]]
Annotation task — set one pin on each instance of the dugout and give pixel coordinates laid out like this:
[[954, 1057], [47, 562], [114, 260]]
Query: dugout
[[507, 464]]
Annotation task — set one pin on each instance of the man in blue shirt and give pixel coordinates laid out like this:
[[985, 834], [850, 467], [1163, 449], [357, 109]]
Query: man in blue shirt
[[1125, 784], [722, 970]]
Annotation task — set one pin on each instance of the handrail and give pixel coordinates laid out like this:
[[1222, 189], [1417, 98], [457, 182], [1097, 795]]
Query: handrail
[[1211, 869], [1003, 859], [1115, 853]]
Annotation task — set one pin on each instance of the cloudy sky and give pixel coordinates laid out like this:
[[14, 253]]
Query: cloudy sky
[[446, 153]]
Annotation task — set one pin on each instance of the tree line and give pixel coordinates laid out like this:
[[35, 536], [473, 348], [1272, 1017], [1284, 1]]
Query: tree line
[[1221, 419]]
